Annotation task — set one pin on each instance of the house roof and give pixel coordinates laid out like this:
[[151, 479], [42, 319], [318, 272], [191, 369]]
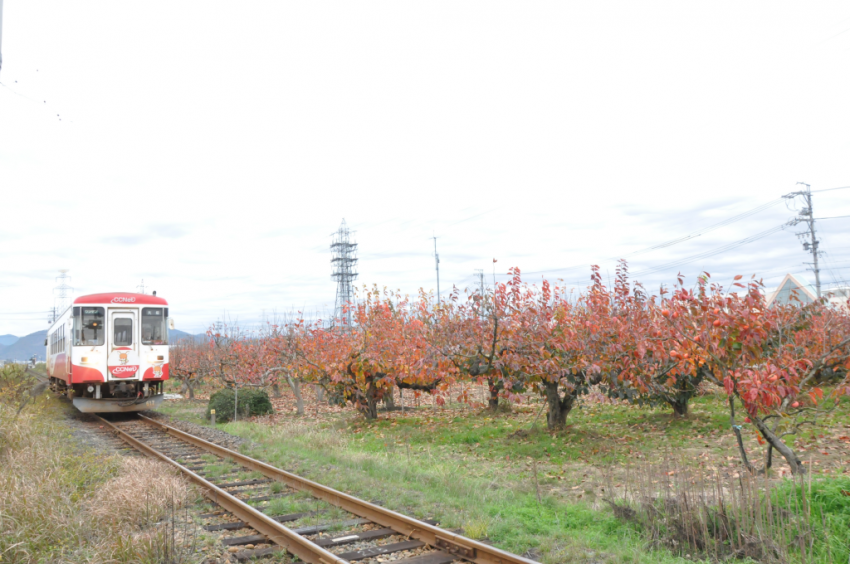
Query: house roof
[[792, 291]]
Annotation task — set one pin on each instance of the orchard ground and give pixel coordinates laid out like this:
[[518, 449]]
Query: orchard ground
[[504, 477]]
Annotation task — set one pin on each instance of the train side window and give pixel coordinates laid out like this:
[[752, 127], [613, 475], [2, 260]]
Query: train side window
[[122, 332], [88, 326]]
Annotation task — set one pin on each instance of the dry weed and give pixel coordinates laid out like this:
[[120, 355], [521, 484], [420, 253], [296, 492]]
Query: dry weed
[[723, 517], [140, 494], [61, 502]]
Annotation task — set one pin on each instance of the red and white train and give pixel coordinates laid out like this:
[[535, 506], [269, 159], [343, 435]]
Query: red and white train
[[109, 352]]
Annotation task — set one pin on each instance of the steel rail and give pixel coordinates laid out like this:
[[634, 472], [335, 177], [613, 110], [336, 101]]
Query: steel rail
[[276, 532], [446, 541]]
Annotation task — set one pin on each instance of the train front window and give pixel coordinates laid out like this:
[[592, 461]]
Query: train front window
[[88, 326], [154, 328], [122, 332]]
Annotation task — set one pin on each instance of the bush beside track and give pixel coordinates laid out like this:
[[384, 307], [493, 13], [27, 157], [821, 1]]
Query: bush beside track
[[251, 402]]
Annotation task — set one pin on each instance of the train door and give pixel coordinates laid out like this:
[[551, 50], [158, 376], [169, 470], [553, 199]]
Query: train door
[[123, 341]]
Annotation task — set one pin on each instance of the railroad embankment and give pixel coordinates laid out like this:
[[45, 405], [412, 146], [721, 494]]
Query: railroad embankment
[[65, 501]]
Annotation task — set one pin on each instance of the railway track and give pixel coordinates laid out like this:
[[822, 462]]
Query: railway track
[[248, 492]]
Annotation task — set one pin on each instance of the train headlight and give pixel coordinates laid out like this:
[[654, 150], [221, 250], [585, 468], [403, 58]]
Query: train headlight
[[91, 358]]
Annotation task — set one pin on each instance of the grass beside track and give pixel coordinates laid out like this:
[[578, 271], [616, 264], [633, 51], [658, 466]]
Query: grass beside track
[[62, 502], [484, 472]]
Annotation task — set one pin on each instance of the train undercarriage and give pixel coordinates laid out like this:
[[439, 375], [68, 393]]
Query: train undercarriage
[[111, 397]]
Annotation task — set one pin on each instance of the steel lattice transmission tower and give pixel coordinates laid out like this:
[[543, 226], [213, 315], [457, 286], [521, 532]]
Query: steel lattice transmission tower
[[344, 262], [61, 293]]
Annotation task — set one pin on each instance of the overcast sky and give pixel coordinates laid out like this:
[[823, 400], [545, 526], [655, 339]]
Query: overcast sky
[[212, 148]]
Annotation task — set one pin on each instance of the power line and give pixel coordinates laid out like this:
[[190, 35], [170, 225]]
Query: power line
[[678, 240], [717, 251], [830, 189]]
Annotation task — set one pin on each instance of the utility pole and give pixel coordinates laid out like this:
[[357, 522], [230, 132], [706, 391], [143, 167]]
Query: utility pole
[[479, 272], [812, 245], [437, 259], [141, 287]]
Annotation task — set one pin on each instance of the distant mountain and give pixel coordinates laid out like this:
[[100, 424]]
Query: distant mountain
[[6, 340], [33, 344], [25, 347], [175, 335]]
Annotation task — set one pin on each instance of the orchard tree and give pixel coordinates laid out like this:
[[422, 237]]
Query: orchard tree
[[562, 346], [473, 336], [766, 359]]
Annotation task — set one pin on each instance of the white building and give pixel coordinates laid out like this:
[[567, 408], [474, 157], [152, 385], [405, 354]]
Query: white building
[[838, 296]]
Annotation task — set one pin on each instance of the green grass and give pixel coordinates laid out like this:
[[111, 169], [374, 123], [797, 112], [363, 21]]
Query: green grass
[[288, 505], [830, 510], [440, 486], [214, 471], [597, 434], [192, 411], [473, 469]]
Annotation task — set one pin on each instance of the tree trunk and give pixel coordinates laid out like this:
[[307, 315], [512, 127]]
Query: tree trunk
[[368, 405], [187, 389], [559, 407], [275, 390], [680, 408], [790, 456], [296, 390], [320, 392], [493, 402], [773, 441], [685, 389], [389, 400]]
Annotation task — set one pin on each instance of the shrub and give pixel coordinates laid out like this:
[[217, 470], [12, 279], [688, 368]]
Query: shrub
[[251, 402]]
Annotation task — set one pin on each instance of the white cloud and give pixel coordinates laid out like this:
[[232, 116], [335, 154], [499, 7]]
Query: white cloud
[[213, 150]]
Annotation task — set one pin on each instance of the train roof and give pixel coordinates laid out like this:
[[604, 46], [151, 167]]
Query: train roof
[[122, 298]]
